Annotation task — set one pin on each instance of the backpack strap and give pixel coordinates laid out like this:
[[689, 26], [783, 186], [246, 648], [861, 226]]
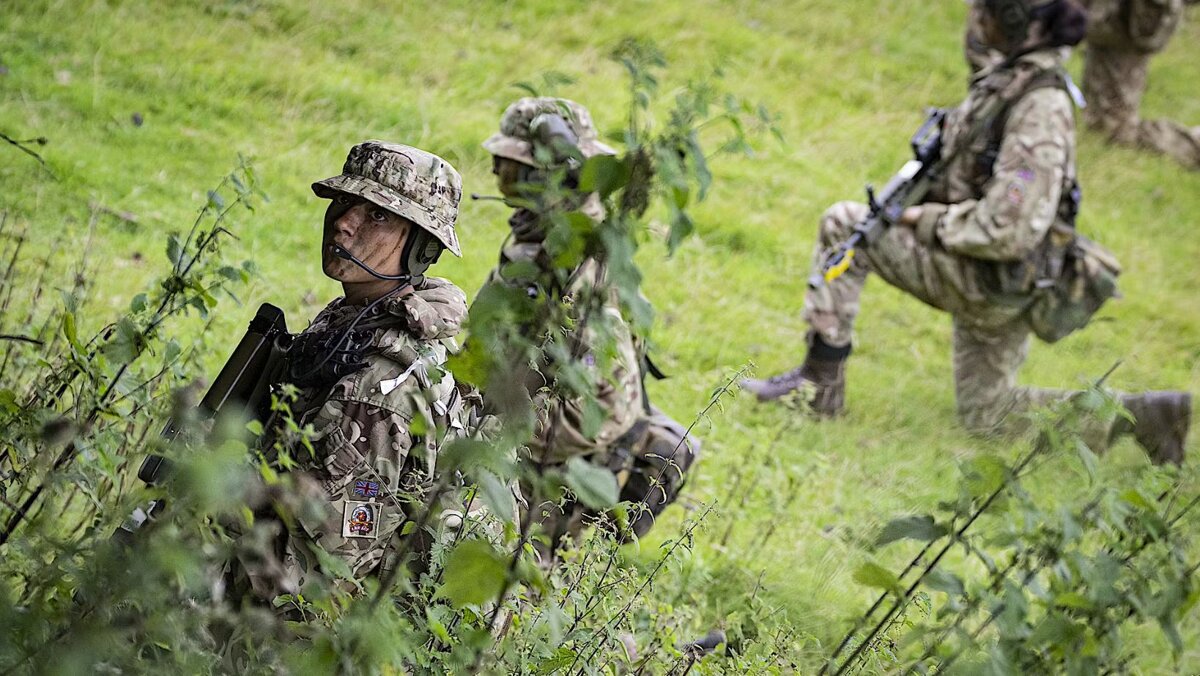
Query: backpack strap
[[994, 125], [1056, 78]]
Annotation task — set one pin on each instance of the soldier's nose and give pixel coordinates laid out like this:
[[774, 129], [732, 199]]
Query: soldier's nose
[[347, 224]]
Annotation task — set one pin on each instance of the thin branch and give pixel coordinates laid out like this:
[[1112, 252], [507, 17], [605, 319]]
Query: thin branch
[[21, 145]]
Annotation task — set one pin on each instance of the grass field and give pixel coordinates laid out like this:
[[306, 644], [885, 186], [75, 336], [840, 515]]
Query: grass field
[[293, 85]]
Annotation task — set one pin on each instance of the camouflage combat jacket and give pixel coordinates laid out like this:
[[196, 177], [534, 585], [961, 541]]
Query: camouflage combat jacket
[[987, 223], [376, 432], [616, 374]]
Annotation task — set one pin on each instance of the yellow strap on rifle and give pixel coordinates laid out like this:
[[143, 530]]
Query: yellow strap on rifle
[[842, 266]]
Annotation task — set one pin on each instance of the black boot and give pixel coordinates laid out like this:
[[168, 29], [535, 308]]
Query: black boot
[[824, 370], [1160, 424]]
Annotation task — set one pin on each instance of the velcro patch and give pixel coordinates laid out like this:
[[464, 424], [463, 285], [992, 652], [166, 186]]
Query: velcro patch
[[361, 519], [366, 489]]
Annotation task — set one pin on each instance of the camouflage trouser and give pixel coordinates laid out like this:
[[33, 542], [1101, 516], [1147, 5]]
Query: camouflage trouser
[[987, 353], [1113, 83]]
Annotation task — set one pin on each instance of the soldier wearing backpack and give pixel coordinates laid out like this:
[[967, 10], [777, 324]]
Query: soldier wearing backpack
[[648, 452], [994, 232]]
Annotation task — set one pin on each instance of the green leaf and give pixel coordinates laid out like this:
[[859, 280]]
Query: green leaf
[[983, 475], [922, 528], [8, 401], [126, 343], [595, 486], [872, 574], [1135, 498], [945, 582], [562, 658], [475, 573], [138, 303], [1171, 631], [1073, 600], [496, 495], [174, 249], [70, 332], [1088, 458], [469, 454], [604, 174], [215, 200]]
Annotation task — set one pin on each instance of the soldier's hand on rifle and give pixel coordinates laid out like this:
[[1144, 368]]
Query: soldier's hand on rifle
[[911, 215]]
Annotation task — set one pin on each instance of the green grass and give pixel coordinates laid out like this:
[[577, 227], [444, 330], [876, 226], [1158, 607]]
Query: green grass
[[293, 85]]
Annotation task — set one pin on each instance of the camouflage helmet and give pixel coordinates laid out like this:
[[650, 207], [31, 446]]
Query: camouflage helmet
[[407, 181], [513, 141]]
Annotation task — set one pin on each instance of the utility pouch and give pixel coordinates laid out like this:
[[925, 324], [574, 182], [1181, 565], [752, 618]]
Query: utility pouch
[[657, 454], [1078, 277]]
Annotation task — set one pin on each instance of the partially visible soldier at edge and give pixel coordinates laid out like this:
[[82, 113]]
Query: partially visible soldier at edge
[[647, 450], [978, 246], [368, 368], [1122, 36]]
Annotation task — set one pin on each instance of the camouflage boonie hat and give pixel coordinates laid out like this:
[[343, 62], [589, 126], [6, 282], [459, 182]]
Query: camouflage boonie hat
[[407, 181], [512, 141]]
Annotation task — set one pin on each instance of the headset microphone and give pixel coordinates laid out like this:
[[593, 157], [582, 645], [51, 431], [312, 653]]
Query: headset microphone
[[342, 253]]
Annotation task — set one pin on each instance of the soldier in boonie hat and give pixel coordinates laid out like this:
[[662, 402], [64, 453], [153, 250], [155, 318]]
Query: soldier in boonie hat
[[407, 181], [371, 366], [524, 120]]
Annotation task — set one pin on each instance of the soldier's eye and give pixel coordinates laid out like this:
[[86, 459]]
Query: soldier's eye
[[379, 215], [343, 200]]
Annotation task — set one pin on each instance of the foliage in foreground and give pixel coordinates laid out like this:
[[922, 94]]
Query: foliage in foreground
[[719, 581], [80, 412]]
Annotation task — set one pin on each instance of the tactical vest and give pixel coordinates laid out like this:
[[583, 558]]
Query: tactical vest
[[1068, 277]]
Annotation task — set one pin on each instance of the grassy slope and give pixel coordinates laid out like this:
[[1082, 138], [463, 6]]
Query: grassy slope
[[294, 85]]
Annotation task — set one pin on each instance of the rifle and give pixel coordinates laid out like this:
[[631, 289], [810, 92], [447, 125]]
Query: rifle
[[908, 187], [242, 387]]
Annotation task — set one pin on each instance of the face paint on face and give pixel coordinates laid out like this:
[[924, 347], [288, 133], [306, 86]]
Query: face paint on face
[[371, 233], [510, 174]]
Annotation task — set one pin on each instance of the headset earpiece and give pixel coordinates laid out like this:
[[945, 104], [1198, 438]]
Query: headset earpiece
[[420, 251]]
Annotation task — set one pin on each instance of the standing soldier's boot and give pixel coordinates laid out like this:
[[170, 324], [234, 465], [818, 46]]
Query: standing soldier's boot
[[824, 369], [1160, 424]]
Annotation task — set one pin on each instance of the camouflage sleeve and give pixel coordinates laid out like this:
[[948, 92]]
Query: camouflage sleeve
[[612, 364], [577, 425], [1021, 200], [362, 449]]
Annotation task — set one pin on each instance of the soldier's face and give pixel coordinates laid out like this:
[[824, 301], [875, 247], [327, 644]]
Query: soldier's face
[[370, 233]]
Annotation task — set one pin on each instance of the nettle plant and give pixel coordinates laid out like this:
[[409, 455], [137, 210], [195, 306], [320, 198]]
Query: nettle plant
[[77, 415], [590, 612], [1040, 584]]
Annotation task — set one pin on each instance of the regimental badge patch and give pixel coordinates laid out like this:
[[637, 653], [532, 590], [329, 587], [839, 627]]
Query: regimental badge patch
[[366, 489], [361, 519]]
